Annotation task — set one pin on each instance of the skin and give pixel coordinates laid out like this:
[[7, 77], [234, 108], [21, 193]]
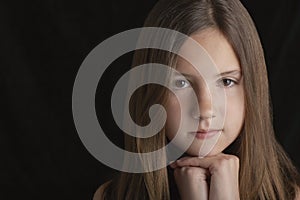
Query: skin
[[214, 175]]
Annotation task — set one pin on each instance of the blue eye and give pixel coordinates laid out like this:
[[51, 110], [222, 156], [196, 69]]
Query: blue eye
[[181, 84], [227, 82]]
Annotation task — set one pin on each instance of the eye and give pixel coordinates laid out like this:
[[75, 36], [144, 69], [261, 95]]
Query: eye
[[179, 84], [226, 82]]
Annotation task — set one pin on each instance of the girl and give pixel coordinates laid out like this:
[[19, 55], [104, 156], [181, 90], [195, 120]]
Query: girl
[[246, 162]]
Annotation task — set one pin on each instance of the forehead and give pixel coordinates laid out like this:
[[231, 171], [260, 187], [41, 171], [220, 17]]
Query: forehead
[[217, 47]]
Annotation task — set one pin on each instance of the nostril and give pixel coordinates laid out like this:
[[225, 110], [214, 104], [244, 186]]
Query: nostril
[[203, 116], [207, 117]]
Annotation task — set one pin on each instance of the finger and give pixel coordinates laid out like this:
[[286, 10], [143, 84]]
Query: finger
[[173, 164], [196, 162], [205, 162]]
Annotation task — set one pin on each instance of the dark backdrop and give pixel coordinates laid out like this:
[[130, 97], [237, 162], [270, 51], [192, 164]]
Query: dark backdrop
[[43, 44]]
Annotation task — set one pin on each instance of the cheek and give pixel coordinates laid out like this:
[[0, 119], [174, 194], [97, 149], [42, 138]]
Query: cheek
[[173, 117], [235, 113]]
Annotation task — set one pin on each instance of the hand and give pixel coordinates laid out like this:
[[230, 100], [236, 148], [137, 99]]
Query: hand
[[191, 182], [224, 172]]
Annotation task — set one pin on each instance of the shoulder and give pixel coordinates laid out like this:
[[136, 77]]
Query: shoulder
[[99, 192]]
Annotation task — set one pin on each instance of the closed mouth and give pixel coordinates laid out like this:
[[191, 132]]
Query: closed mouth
[[206, 134]]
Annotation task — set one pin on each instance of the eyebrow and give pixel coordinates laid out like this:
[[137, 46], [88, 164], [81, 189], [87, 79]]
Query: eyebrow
[[231, 72]]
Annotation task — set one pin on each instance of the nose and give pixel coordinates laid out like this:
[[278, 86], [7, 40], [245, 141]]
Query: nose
[[204, 97]]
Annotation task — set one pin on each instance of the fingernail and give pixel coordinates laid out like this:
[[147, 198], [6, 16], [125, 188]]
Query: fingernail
[[171, 162]]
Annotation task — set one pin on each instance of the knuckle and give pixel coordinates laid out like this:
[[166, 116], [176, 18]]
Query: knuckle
[[222, 161], [235, 160], [183, 169], [190, 171], [234, 157], [227, 161]]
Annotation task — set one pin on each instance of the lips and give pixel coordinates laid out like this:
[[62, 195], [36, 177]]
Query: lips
[[204, 134]]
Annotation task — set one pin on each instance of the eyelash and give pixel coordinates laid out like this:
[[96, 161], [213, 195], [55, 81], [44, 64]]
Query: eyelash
[[186, 82], [221, 81], [233, 82]]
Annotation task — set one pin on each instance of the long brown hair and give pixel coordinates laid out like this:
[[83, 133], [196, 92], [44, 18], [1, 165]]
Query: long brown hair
[[265, 170]]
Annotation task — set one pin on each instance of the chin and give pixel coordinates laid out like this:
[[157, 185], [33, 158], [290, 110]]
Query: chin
[[194, 151]]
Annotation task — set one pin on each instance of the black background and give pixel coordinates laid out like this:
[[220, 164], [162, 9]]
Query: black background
[[43, 44]]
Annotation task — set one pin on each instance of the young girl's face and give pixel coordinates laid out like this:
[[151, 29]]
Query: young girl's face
[[228, 121]]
